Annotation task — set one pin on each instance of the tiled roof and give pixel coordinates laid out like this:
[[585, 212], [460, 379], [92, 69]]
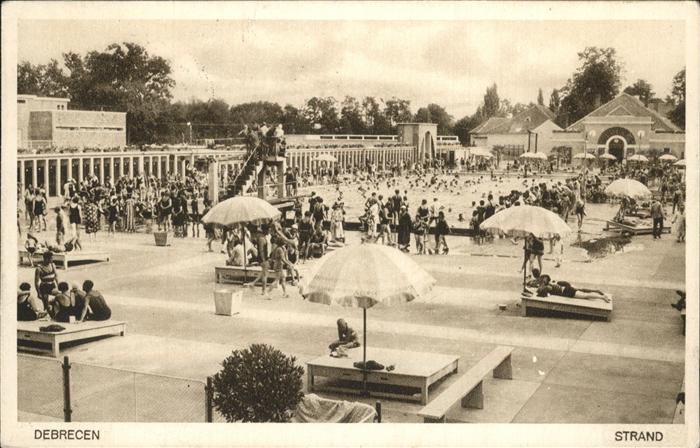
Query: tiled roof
[[488, 125], [526, 120], [625, 104]]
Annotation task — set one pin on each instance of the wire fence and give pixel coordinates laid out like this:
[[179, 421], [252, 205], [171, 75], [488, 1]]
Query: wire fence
[[71, 391]]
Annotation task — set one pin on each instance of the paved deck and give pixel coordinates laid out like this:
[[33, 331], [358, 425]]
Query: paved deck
[[565, 370]]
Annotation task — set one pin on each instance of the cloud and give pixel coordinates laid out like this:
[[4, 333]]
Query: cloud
[[446, 62]]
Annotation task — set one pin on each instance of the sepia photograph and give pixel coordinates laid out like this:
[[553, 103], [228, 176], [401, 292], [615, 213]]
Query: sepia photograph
[[399, 214]]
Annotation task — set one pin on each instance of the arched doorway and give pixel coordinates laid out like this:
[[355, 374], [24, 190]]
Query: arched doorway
[[616, 147]]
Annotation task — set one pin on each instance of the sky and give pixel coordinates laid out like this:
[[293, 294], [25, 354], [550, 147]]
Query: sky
[[445, 62]]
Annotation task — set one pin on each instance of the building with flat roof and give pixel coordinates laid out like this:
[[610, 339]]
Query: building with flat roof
[[47, 122]]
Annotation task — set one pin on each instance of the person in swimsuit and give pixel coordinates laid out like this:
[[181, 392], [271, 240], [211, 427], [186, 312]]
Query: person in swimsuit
[[32, 245], [27, 309], [90, 304], [565, 289], [45, 279], [165, 206], [63, 306], [39, 209], [68, 246], [75, 216], [347, 337]]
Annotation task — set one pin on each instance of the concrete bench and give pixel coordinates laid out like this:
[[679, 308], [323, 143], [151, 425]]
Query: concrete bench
[[29, 331], [62, 259], [469, 387], [237, 275], [592, 308]]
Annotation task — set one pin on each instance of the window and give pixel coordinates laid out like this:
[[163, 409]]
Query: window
[[21, 101]]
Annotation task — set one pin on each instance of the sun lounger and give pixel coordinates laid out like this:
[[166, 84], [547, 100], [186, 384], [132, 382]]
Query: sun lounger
[[468, 389], [62, 259], [644, 229], [411, 378], [29, 331], [238, 275], [593, 308]]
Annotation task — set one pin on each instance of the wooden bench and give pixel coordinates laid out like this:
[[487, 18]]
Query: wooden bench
[[582, 307], [62, 259], [29, 331], [614, 226], [469, 387], [237, 275]]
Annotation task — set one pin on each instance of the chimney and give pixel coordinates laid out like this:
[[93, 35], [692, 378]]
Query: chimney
[[596, 100]]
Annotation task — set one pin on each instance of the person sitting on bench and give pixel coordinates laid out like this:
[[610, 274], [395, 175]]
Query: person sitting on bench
[[62, 306], [28, 308], [347, 338], [318, 243], [565, 289], [45, 279], [91, 303]]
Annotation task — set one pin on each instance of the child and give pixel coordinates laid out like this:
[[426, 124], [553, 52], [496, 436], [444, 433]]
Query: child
[[557, 250], [60, 226]]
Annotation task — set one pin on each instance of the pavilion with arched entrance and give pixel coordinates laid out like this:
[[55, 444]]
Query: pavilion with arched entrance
[[623, 127]]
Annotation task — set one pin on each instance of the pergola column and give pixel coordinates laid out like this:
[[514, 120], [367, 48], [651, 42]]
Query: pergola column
[[46, 175], [140, 166], [91, 166], [80, 170], [121, 166], [22, 179], [111, 169], [158, 167], [102, 170], [34, 174]]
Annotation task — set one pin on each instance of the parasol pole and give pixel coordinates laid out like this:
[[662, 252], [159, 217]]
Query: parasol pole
[[364, 350], [245, 256], [525, 265]]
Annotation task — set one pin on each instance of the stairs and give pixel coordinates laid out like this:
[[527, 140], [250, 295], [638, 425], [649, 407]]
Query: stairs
[[245, 179]]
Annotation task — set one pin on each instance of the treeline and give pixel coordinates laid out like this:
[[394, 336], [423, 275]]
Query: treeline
[[126, 78]]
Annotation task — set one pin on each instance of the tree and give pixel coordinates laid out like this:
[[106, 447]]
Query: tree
[[256, 113], [435, 113], [554, 101], [43, 79], [258, 384], [375, 120], [294, 122], [465, 124], [641, 89], [351, 119], [596, 81], [492, 104], [123, 77], [322, 113], [397, 111], [677, 115], [540, 97]]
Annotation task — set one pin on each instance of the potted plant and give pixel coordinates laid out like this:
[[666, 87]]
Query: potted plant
[[257, 384]]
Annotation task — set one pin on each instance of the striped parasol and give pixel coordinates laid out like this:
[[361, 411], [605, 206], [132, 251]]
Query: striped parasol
[[638, 158], [584, 155], [523, 220], [608, 156], [668, 158], [534, 155], [366, 275]]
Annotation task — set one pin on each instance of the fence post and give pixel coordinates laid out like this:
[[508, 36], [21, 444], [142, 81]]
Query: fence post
[[67, 411], [378, 408], [208, 400]]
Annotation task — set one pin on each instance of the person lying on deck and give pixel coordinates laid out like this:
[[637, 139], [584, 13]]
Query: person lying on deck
[[565, 289], [347, 338], [68, 246]]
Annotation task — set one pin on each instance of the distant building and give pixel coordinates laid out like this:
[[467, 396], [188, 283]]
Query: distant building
[[623, 127], [530, 130], [45, 122]]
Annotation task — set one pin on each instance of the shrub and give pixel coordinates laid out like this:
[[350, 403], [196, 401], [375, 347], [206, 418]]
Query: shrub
[[258, 384]]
